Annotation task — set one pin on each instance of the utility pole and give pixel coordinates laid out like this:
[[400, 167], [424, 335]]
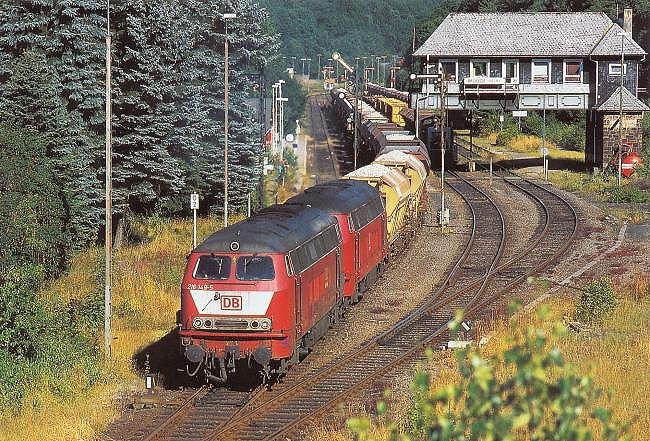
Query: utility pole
[[274, 120], [319, 66], [443, 114], [226, 17], [108, 219]]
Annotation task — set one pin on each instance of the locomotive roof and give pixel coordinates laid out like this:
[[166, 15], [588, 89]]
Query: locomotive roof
[[340, 196], [275, 229]]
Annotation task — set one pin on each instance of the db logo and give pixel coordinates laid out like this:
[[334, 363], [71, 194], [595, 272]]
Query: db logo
[[231, 302]]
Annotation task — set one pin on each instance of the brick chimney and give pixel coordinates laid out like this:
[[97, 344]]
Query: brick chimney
[[627, 20]]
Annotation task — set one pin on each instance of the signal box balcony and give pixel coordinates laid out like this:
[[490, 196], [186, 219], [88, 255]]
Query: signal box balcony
[[497, 93]]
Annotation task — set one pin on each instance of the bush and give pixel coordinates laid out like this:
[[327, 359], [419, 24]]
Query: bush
[[506, 135], [627, 193], [597, 301], [569, 136], [32, 209], [523, 401]]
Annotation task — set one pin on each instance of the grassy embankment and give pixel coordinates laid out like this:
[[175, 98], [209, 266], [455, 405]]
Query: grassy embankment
[[566, 171], [145, 298], [616, 356]]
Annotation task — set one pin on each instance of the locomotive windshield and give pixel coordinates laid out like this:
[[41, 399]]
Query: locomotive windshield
[[213, 267], [255, 268]]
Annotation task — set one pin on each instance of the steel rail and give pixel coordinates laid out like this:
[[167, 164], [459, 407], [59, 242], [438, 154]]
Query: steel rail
[[381, 341], [182, 410], [473, 308]]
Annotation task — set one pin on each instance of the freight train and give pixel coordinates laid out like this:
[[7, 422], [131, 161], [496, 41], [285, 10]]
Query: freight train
[[257, 295]]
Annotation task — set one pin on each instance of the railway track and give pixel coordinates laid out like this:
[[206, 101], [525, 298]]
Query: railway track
[[475, 284], [477, 280], [287, 408], [290, 411]]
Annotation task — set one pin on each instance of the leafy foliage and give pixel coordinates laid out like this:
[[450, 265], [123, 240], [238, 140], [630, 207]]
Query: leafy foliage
[[32, 209], [597, 301], [355, 29], [532, 397]]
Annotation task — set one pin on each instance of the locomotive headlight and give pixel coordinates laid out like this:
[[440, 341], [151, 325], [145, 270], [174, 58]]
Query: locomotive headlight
[[197, 323], [265, 324]]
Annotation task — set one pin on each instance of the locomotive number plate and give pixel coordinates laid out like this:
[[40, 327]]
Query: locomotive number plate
[[231, 302]]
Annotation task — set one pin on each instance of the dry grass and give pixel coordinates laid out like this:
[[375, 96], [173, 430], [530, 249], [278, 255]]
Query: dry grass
[[616, 356], [146, 285], [523, 144]]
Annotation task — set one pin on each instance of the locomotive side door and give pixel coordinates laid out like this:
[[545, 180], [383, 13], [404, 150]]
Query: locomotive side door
[[340, 276], [298, 302]]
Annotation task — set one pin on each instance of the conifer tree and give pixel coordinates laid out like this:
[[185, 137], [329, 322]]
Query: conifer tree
[[68, 37], [31, 100], [251, 45], [146, 53]]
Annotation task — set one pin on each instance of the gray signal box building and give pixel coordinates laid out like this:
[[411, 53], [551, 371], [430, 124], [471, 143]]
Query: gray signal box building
[[537, 61]]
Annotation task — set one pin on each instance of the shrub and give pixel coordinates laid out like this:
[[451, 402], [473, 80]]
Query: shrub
[[506, 135], [528, 143], [525, 400], [32, 209], [627, 193], [597, 301], [569, 136]]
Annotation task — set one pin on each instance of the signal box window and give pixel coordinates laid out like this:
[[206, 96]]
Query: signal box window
[[448, 68], [213, 268], [572, 71], [615, 69], [480, 68], [541, 70], [510, 69], [255, 268]]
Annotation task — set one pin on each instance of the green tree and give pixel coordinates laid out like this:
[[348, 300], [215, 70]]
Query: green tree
[[68, 38], [31, 99], [32, 209]]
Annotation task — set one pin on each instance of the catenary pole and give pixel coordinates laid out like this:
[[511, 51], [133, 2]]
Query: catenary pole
[[108, 224], [226, 17]]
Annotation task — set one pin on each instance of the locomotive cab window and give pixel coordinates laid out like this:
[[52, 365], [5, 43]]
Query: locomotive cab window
[[255, 268], [213, 268]]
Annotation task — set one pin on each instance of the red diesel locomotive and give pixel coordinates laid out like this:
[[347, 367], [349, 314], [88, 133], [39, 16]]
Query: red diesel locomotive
[[362, 221], [258, 294]]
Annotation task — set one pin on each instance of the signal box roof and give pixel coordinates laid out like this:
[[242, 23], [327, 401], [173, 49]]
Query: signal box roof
[[340, 196], [275, 229]]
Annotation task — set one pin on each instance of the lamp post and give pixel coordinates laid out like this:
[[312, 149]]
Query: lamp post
[[108, 219], [281, 122], [357, 101], [319, 68], [226, 16], [274, 120], [308, 68]]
